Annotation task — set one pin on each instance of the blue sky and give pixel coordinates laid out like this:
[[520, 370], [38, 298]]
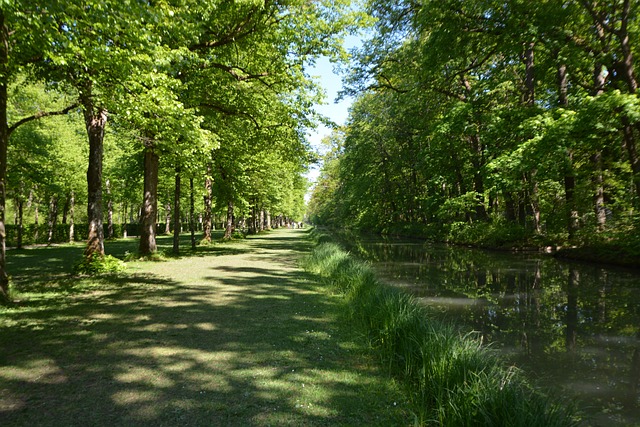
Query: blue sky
[[337, 112]]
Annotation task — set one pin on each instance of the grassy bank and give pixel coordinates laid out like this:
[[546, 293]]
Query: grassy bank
[[232, 334], [619, 247], [449, 377]]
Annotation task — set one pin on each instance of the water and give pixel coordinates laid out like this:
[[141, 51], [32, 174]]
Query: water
[[574, 328]]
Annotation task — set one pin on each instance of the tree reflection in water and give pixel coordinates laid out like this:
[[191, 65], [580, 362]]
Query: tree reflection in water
[[573, 327]]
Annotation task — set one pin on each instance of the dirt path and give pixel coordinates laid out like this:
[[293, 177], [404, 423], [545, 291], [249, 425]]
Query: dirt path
[[237, 336]]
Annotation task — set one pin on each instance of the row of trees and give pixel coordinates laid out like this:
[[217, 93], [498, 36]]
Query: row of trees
[[513, 113], [211, 90]]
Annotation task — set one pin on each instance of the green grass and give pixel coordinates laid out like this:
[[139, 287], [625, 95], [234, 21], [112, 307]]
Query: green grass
[[450, 378], [229, 334]]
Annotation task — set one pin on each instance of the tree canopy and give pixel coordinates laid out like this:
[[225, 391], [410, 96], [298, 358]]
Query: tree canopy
[[217, 91], [491, 121]]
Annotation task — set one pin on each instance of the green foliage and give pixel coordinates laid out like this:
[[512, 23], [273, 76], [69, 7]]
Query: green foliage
[[154, 256], [99, 265], [462, 130], [450, 378], [237, 235]]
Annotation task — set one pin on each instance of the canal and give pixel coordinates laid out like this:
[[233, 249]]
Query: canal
[[574, 328]]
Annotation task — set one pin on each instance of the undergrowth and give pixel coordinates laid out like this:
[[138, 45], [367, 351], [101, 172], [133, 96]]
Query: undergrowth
[[99, 265], [153, 256], [450, 377]]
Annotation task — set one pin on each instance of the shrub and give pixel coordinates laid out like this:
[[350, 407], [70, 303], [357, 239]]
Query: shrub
[[99, 265]]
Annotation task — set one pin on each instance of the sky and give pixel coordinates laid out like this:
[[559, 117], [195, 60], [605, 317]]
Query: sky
[[336, 111]]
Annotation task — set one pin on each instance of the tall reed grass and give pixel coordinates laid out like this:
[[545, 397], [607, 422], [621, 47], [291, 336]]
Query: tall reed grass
[[450, 377]]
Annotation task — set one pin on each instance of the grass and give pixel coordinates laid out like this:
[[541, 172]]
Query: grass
[[229, 334], [450, 378]]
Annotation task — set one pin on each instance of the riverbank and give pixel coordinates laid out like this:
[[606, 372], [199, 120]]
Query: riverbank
[[619, 249], [231, 334], [451, 378]]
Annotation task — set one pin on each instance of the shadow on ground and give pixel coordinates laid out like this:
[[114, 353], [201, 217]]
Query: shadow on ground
[[223, 338]]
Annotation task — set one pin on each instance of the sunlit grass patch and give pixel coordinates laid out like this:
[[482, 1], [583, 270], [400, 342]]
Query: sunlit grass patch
[[217, 337]]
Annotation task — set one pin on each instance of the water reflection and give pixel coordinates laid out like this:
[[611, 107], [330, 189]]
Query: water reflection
[[574, 328]]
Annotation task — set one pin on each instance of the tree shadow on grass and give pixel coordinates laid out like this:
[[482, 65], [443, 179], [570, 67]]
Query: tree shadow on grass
[[249, 345]]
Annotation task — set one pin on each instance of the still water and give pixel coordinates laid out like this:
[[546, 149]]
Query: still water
[[572, 327]]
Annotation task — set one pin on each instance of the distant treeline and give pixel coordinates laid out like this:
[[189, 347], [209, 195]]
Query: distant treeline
[[40, 234]]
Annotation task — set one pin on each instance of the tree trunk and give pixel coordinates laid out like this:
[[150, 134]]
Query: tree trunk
[[563, 98], [53, 218], [167, 218], [192, 216], [149, 203], [176, 214], [529, 78], [125, 222], [65, 210], [206, 222], [598, 179], [261, 219], [252, 220], [268, 221], [95, 121], [4, 143], [625, 45], [478, 182], [599, 79], [20, 222], [109, 210], [229, 226], [72, 222], [36, 221], [569, 173]]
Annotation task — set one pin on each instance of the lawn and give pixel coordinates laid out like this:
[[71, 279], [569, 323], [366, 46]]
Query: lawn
[[229, 334]]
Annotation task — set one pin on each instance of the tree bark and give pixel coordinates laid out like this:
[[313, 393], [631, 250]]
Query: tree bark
[[65, 210], [601, 215], [563, 83], [53, 218], [167, 218], [625, 46], [261, 219], [229, 225], [569, 173], [176, 214], [529, 79], [192, 216], [109, 210], [125, 222], [599, 80], [208, 191], [4, 143], [149, 203], [72, 222], [95, 120], [36, 221], [630, 147], [20, 206], [478, 183]]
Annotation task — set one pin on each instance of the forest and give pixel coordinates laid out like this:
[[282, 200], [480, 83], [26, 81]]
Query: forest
[[502, 124], [157, 116]]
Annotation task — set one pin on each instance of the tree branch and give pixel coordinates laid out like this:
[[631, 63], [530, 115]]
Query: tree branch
[[231, 112], [597, 17], [41, 115], [235, 74]]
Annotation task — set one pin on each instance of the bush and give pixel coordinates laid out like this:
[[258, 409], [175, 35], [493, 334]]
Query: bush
[[99, 265], [450, 378]]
